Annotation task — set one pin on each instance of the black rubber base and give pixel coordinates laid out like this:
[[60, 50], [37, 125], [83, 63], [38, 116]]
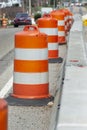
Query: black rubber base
[[12, 101], [56, 60], [62, 43]]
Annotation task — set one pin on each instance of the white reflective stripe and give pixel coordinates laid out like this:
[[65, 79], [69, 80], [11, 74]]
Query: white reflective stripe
[[70, 22], [61, 23], [30, 78], [61, 33], [49, 31], [65, 18], [31, 54], [65, 27], [67, 23], [70, 17], [52, 46]]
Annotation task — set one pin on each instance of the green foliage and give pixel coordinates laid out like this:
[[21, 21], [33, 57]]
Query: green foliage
[[36, 16], [51, 2]]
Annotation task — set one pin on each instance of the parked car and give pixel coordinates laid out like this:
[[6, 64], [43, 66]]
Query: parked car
[[22, 19]]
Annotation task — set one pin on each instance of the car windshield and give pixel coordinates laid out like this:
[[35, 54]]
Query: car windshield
[[21, 15]]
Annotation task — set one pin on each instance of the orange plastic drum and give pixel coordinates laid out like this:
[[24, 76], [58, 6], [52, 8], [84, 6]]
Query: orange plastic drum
[[48, 25], [3, 115], [66, 20], [4, 22], [71, 20], [60, 16], [30, 79]]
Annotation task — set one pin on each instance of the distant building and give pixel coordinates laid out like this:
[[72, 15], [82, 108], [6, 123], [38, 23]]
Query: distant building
[[10, 3], [45, 10], [66, 4], [2, 4], [84, 2]]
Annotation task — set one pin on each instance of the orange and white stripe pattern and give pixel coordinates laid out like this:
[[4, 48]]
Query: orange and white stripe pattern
[[68, 23], [48, 25], [60, 16], [4, 23], [70, 19], [31, 64], [66, 20]]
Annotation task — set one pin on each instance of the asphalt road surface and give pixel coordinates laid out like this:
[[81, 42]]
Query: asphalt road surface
[[6, 53]]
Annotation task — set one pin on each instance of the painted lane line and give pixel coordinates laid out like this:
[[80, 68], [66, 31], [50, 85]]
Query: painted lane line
[[71, 125], [6, 88]]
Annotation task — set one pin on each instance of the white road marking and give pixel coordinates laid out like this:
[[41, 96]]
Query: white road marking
[[71, 125], [6, 88]]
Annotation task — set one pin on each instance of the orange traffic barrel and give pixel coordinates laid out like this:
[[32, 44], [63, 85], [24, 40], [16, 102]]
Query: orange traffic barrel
[[60, 16], [66, 20], [48, 25], [30, 79], [3, 115], [4, 22], [68, 23], [71, 20]]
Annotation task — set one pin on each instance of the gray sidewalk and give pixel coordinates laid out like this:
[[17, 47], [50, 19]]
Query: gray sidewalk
[[73, 110]]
